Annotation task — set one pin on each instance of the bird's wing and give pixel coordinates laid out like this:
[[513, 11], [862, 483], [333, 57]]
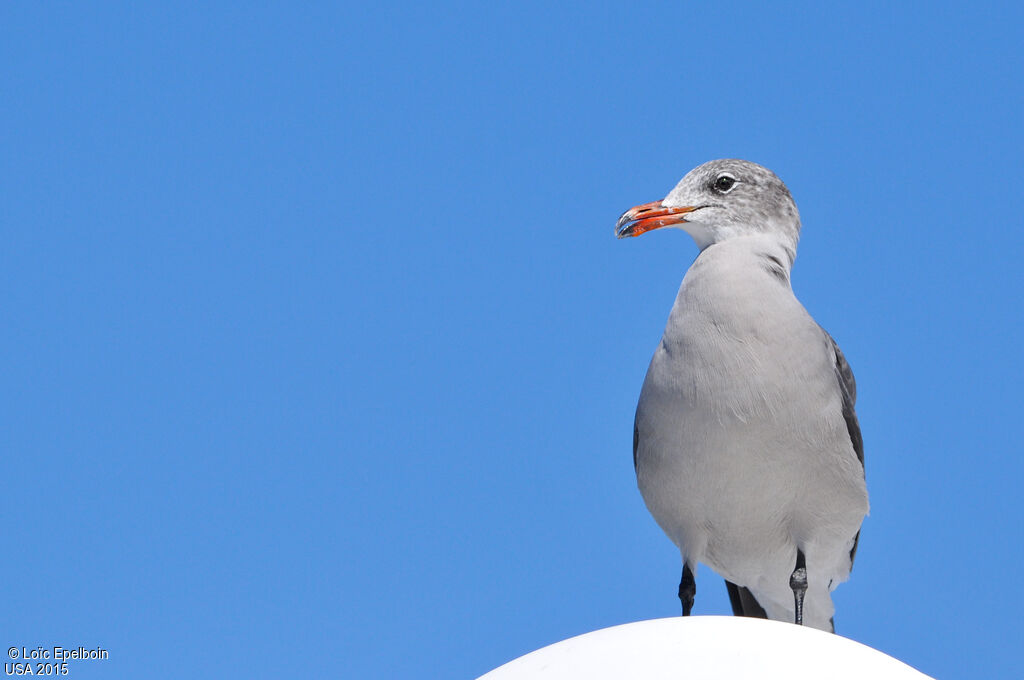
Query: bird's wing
[[848, 388], [636, 438]]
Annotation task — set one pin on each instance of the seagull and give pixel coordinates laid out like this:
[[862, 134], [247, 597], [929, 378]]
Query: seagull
[[746, 444]]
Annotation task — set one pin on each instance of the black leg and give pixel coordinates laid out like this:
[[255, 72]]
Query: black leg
[[687, 589], [798, 582]]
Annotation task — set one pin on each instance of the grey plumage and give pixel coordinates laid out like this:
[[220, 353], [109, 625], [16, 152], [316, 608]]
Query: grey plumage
[[747, 447]]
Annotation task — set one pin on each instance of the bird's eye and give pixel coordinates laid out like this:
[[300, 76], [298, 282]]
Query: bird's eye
[[724, 183]]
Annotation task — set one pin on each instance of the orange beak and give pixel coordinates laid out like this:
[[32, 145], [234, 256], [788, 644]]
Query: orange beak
[[648, 216]]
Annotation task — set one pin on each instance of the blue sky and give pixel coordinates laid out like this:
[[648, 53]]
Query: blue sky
[[319, 353]]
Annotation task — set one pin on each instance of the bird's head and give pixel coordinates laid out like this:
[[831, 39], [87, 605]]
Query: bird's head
[[720, 200]]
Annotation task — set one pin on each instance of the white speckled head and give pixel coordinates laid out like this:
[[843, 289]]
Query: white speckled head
[[733, 198]]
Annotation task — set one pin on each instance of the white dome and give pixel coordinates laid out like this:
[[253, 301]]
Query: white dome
[[705, 647]]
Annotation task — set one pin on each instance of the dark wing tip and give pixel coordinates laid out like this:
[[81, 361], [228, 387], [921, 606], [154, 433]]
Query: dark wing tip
[[636, 442], [743, 602]]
